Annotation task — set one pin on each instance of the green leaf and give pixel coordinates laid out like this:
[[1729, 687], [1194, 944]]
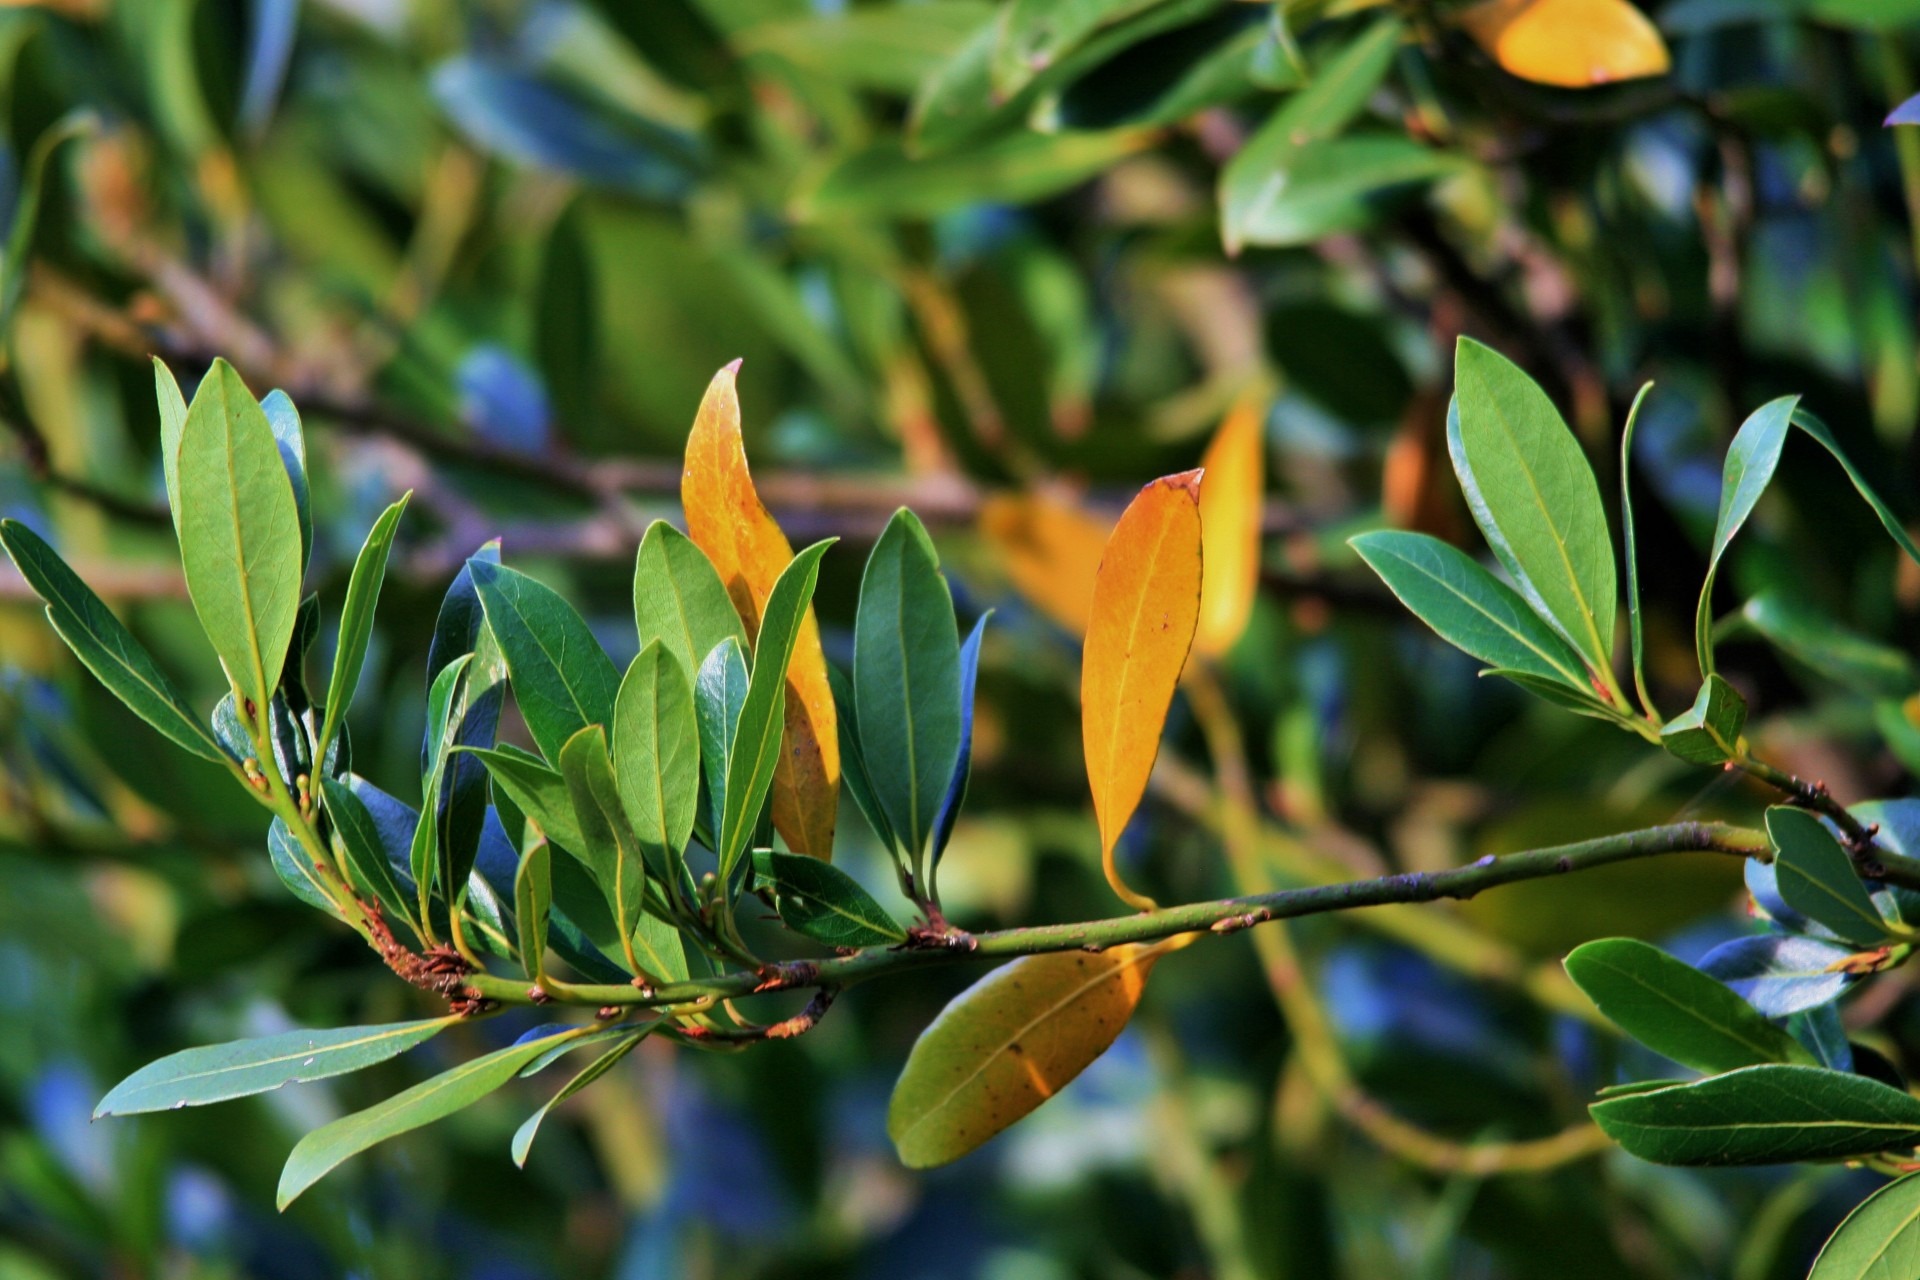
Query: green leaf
[[562, 679], [956, 794], [1564, 696], [822, 902], [321, 1151], [365, 862], [292, 441], [1007, 1044], [216, 1073], [1814, 427], [296, 870], [423, 861], [1468, 607], [1260, 176], [103, 643], [1817, 878], [1880, 1239], [883, 181], [853, 764], [719, 693], [1845, 657], [756, 740], [1749, 467], [532, 902], [906, 680], [173, 421], [609, 847], [678, 598], [1676, 1010], [1542, 511], [523, 1136], [1036, 34], [1709, 731], [1763, 1115], [239, 533], [535, 789], [1635, 632], [1330, 186], [656, 752], [25, 215], [356, 616]]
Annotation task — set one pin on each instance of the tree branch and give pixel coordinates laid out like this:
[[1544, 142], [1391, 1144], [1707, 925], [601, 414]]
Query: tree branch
[[1226, 915]]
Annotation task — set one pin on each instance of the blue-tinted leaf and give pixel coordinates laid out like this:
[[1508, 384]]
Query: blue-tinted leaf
[[1781, 976], [956, 797], [292, 440]]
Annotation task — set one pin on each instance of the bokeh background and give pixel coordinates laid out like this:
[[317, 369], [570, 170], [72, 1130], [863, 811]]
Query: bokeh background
[[976, 258]]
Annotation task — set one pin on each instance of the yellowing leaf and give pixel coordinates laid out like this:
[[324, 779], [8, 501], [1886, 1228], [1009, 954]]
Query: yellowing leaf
[[1230, 516], [1051, 549], [1574, 44], [1007, 1044], [1146, 602], [726, 519]]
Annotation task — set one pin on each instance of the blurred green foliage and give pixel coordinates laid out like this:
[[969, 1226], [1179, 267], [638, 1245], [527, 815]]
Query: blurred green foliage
[[494, 250]]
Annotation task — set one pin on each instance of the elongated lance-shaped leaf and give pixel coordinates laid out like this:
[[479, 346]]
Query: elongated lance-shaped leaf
[[365, 863], [455, 783], [1676, 1010], [1539, 502], [292, 442], [1818, 879], [26, 208], [719, 693], [1007, 1044], [1751, 460], [1145, 606], [325, 1148], [656, 754], [1636, 640], [853, 764], [173, 421], [1763, 1115], [679, 599], [1880, 1239], [456, 628], [1232, 513], [906, 680], [956, 797], [536, 790], [533, 902], [1829, 649], [563, 680], [757, 737], [726, 519], [239, 534], [824, 903], [1896, 530], [610, 848], [216, 1073], [423, 861], [103, 643], [1257, 177], [356, 616], [1468, 607], [523, 1136]]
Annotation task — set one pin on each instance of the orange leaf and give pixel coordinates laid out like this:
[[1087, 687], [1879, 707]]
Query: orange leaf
[[1230, 517], [1051, 550], [1575, 44], [1146, 602], [1008, 1043], [726, 519]]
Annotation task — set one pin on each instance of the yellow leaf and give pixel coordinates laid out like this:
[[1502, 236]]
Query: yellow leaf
[[1008, 1043], [1146, 602], [726, 519], [1230, 518], [1575, 44], [1051, 549]]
